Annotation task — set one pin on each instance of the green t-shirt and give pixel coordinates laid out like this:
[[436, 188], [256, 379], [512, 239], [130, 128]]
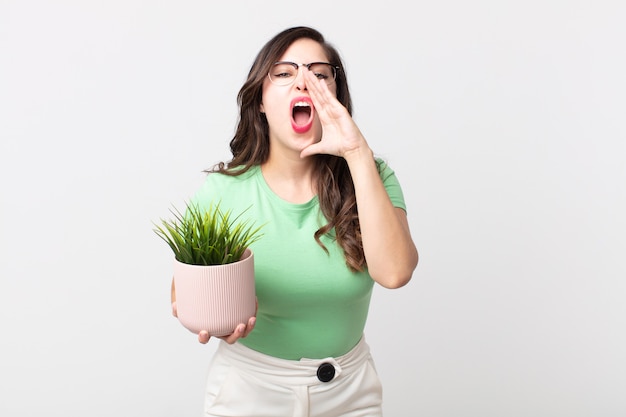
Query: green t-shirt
[[310, 304]]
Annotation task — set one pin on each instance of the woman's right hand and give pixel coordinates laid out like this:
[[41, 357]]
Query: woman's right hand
[[242, 330]]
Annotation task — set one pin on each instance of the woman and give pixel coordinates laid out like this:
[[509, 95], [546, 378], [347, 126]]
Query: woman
[[334, 225]]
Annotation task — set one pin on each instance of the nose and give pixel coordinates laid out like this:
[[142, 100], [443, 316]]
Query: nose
[[300, 83]]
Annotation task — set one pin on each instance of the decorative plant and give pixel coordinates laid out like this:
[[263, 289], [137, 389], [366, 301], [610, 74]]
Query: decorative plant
[[211, 237]]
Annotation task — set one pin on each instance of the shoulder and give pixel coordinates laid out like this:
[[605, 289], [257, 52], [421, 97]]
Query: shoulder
[[391, 183], [218, 186], [384, 170], [217, 178]]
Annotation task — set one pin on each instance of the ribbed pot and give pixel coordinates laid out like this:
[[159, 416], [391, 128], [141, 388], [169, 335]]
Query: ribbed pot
[[215, 298]]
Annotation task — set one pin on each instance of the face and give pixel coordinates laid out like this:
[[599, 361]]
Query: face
[[293, 121]]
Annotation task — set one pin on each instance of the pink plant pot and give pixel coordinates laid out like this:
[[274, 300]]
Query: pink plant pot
[[215, 298]]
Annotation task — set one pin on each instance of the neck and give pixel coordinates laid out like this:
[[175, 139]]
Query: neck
[[291, 180]]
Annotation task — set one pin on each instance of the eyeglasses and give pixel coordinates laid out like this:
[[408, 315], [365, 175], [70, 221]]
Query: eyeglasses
[[285, 72]]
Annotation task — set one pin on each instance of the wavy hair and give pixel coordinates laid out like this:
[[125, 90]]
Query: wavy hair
[[250, 146]]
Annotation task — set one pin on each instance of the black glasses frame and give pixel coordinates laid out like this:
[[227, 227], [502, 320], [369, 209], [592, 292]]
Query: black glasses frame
[[335, 69]]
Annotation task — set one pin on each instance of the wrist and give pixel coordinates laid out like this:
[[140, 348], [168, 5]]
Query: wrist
[[356, 155]]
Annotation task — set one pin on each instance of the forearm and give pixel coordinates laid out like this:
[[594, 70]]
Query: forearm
[[389, 249]]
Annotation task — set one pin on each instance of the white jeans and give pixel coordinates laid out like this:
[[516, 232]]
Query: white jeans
[[246, 383]]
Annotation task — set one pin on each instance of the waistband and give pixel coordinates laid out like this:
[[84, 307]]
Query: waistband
[[303, 372]]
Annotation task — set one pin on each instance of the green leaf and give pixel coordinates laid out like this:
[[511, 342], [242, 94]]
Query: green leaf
[[210, 237]]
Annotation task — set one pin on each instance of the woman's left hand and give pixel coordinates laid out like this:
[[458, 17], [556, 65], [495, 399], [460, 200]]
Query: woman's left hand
[[340, 134]]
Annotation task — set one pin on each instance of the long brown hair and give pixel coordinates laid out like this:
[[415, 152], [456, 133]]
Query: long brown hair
[[250, 145]]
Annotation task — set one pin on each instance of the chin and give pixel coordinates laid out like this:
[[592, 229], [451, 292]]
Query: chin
[[308, 141]]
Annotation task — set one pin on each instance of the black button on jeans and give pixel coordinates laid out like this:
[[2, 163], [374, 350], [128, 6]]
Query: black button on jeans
[[326, 372]]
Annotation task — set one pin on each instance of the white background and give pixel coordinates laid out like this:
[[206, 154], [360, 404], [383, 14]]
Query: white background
[[504, 121]]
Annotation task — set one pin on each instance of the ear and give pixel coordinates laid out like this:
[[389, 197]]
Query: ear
[[261, 108]]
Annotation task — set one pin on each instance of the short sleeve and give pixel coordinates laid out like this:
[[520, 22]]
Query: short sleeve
[[391, 183]]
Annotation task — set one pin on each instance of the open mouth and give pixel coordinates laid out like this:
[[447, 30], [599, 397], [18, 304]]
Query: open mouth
[[301, 114]]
